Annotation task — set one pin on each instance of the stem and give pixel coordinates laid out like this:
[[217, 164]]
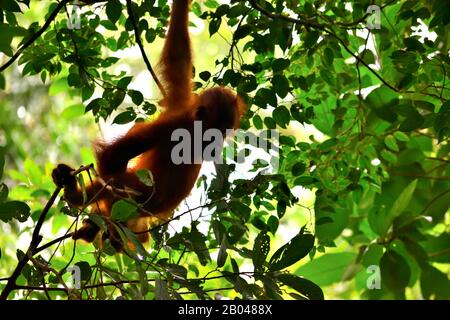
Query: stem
[[35, 240], [36, 35], [141, 48]]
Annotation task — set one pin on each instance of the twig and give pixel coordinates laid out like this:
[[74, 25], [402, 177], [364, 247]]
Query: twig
[[36, 35], [57, 240], [430, 203], [413, 175], [438, 253], [141, 48], [323, 28], [35, 240], [208, 290], [438, 159], [170, 220]]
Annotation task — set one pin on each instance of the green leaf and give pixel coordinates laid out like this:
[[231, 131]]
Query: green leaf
[[58, 86], [395, 272], [280, 85], [281, 116], [73, 111], [86, 93], [265, 97], [403, 200], [2, 81], [291, 252], [382, 101], [328, 56], [14, 210], [124, 82], [437, 246], [414, 45], [257, 122], [261, 248], [328, 144], [324, 220], [2, 161], [242, 32], [205, 75], [222, 255], [413, 121], [125, 117], [109, 62], [196, 240], [73, 79], [113, 10], [306, 288], [304, 181], [10, 5], [146, 177], [136, 97], [3, 192], [400, 136], [33, 172], [272, 224], [95, 105], [214, 25], [434, 284], [390, 142], [280, 64], [124, 210], [270, 123], [311, 39], [85, 270], [372, 255], [327, 269], [240, 209], [149, 108], [298, 168], [388, 156], [405, 61]]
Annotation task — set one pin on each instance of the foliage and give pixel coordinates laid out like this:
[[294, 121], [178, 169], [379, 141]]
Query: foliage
[[378, 162]]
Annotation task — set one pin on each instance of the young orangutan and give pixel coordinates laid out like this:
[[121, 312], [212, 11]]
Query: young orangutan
[[217, 108]]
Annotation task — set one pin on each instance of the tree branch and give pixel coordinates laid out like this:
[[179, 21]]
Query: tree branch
[[141, 48], [35, 36], [323, 28], [35, 240]]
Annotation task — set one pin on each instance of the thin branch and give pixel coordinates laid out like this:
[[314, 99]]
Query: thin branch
[[439, 159], [323, 28], [430, 203], [439, 253], [33, 38], [35, 240], [209, 290], [35, 288], [358, 21], [276, 16], [413, 175], [51, 243], [141, 48], [170, 220]]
